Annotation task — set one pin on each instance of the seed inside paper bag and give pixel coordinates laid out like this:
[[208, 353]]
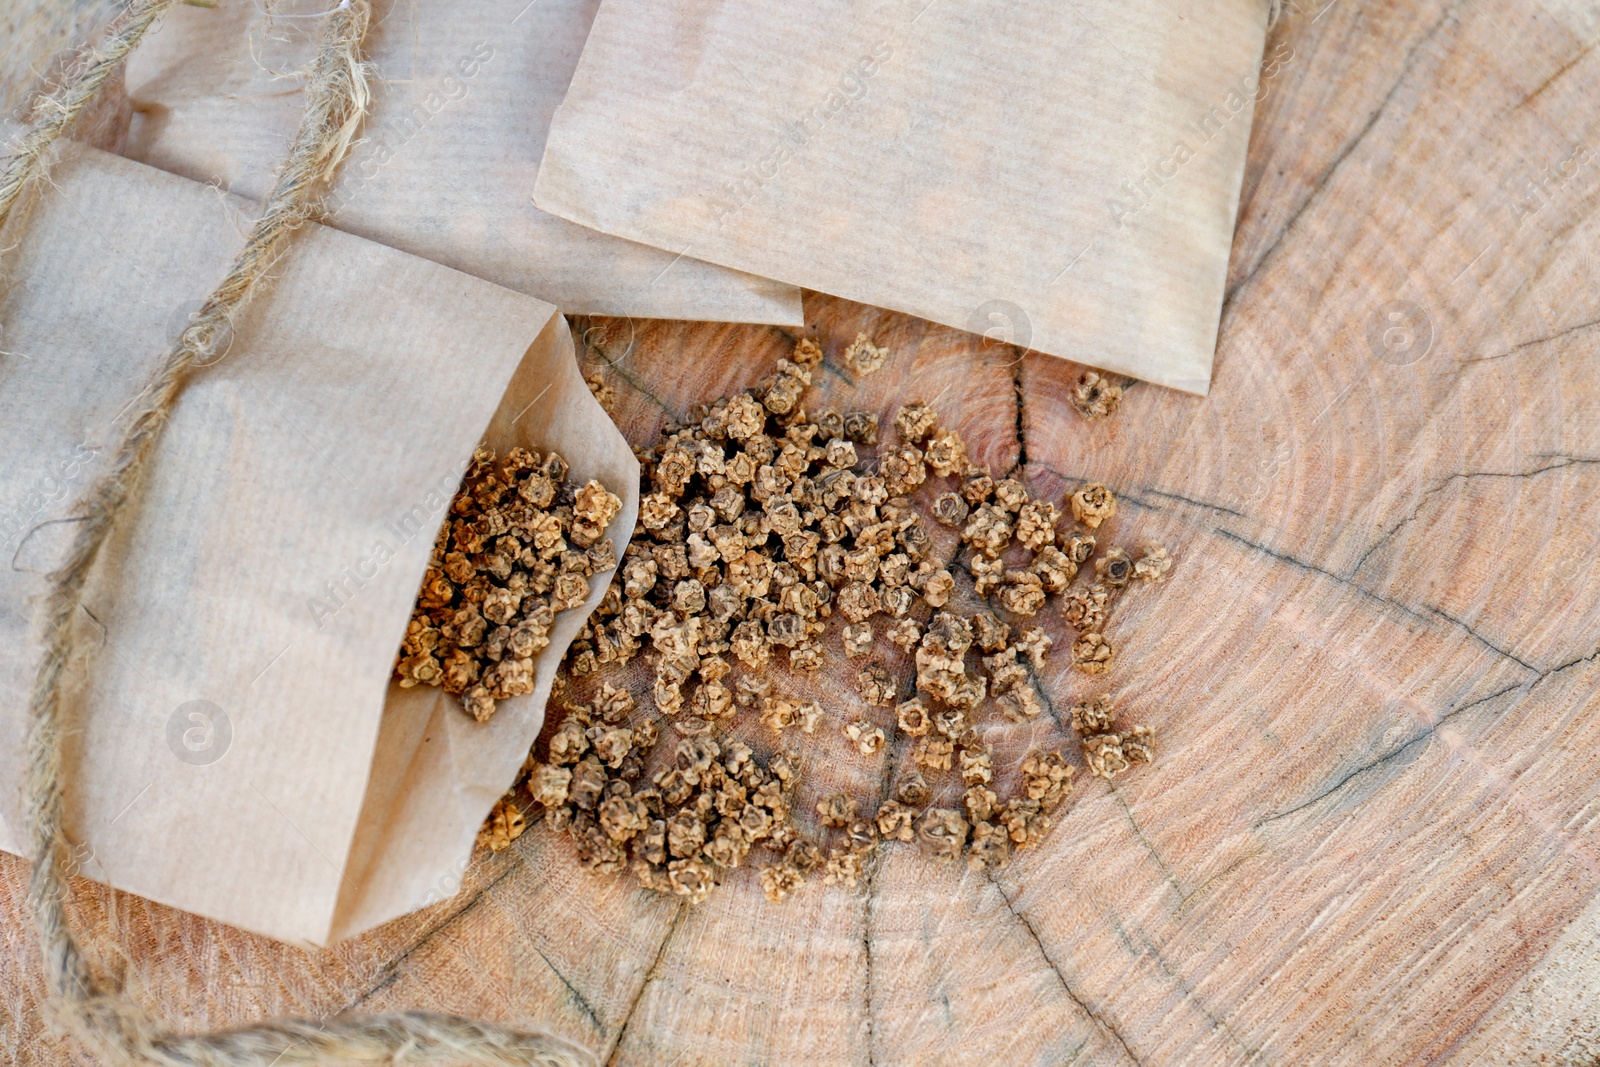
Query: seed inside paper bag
[[520, 546]]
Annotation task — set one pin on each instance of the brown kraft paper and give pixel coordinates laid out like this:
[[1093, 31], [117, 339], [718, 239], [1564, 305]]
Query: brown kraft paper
[[235, 745], [462, 99], [1058, 176]]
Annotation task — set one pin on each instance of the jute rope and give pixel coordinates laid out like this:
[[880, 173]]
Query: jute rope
[[98, 1015], [54, 112]]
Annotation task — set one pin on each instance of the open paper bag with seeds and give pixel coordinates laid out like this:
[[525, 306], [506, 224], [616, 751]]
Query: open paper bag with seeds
[[237, 744], [461, 101]]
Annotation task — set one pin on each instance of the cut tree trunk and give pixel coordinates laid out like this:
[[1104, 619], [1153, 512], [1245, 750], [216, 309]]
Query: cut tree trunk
[[1369, 836]]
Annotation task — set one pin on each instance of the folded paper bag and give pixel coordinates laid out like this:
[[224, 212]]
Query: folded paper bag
[[1059, 176], [462, 99], [236, 747]]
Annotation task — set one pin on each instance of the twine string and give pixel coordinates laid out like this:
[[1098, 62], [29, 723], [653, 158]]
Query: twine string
[[343, 5], [98, 1013], [54, 112]]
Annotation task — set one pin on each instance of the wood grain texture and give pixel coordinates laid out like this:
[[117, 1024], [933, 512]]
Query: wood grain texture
[[1370, 836]]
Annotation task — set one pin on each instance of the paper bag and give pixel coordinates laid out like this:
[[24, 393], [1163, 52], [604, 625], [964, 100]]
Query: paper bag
[[235, 745], [462, 99], [1060, 176]]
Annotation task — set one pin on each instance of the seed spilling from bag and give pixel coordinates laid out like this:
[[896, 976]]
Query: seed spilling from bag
[[758, 525], [520, 546]]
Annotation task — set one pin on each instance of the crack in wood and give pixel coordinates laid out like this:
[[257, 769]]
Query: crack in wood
[[1194, 893], [867, 909], [615, 366], [1022, 412], [649, 976], [1094, 1016], [391, 970], [1391, 755], [1194, 503], [1424, 615], [1125, 497], [1043, 692], [1323, 179], [1566, 461], [1484, 641], [839, 372], [572, 990], [1187, 991], [1138, 833], [1513, 350], [1527, 687], [870, 875], [1131, 496]]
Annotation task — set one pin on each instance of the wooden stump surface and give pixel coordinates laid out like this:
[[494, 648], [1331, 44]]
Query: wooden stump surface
[[1369, 836]]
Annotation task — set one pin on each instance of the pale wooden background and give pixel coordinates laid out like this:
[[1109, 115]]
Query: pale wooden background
[[1370, 833]]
